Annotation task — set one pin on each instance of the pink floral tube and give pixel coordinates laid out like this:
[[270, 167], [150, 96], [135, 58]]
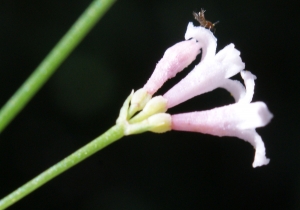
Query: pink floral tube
[[208, 75], [175, 59], [238, 120]]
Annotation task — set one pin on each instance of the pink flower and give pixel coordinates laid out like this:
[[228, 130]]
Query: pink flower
[[182, 54], [214, 70], [208, 75], [239, 119]]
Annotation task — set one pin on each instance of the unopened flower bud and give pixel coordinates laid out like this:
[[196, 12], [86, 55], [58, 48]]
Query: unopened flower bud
[[138, 101], [156, 105], [160, 123], [157, 123], [123, 116]]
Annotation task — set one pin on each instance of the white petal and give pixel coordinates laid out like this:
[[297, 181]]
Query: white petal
[[249, 83], [255, 140], [205, 77], [205, 37], [231, 60], [238, 91], [235, 88], [248, 116]]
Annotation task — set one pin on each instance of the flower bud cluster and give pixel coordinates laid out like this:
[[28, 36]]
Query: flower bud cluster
[[152, 116]]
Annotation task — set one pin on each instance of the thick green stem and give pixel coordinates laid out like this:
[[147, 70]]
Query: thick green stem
[[58, 54], [113, 134]]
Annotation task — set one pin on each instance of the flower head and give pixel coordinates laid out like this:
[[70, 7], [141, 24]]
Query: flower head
[[214, 71]]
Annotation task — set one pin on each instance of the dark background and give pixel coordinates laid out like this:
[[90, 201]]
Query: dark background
[[175, 170]]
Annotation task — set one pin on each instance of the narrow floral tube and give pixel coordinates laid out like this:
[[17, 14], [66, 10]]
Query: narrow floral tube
[[208, 75], [239, 120], [180, 55], [175, 59]]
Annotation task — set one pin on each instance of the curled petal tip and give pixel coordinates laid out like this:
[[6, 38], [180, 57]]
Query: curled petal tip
[[260, 161], [205, 37]]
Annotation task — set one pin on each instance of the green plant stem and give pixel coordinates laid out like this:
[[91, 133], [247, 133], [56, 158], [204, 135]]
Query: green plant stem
[[58, 54], [111, 135]]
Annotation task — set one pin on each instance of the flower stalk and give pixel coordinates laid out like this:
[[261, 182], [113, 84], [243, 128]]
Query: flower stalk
[[53, 60], [155, 121], [140, 112], [114, 133]]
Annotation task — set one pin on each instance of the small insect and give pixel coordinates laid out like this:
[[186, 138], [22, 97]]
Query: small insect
[[204, 23]]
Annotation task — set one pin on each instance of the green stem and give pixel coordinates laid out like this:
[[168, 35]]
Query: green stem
[[111, 135], [48, 66]]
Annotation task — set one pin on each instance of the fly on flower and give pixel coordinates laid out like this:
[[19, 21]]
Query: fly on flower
[[203, 22]]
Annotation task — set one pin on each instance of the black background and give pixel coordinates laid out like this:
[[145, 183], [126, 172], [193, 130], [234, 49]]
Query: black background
[[175, 170]]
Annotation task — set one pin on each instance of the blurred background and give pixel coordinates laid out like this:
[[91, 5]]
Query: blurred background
[[175, 170]]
